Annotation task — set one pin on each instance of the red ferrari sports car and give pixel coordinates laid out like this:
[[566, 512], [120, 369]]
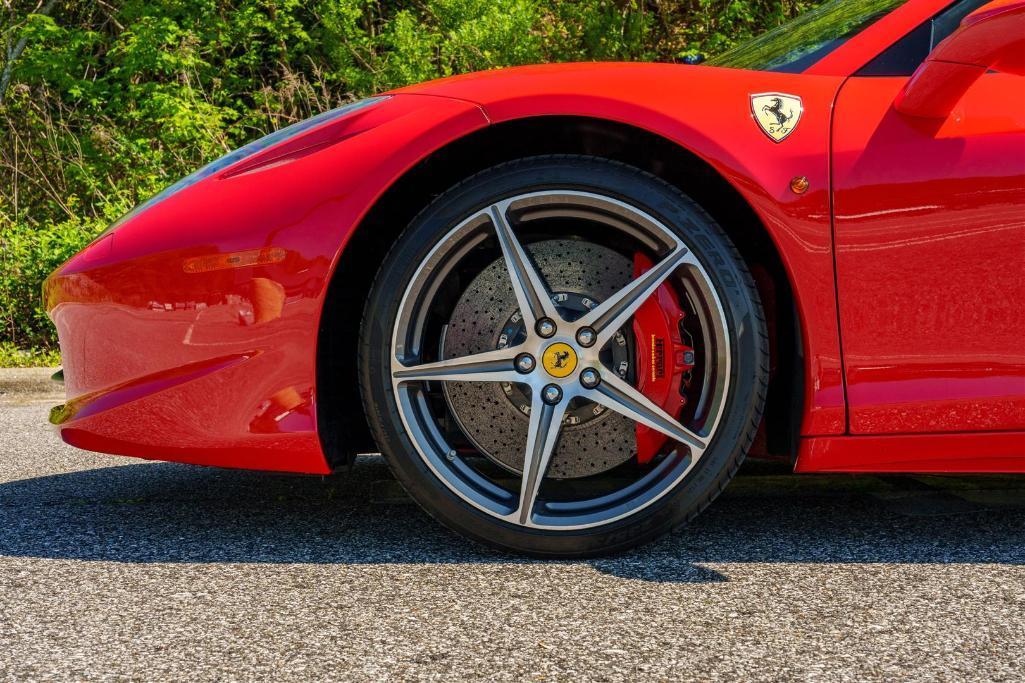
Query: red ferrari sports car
[[565, 301]]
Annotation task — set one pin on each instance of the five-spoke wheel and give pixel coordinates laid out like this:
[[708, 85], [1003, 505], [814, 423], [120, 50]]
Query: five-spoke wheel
[[516, 386]]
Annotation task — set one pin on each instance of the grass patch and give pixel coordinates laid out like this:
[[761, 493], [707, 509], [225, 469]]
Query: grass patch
[[13, 357]]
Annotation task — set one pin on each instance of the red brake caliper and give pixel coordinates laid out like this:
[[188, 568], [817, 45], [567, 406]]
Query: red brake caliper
[[662, 358]]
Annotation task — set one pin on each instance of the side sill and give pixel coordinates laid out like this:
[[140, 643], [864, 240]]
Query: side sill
[[951, 453]]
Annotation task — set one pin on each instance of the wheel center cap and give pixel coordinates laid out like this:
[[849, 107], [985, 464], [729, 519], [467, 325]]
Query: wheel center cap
[[559, 359]]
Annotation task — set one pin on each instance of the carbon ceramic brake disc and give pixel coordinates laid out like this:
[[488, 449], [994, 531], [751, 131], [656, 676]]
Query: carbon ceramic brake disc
[[495, 416]]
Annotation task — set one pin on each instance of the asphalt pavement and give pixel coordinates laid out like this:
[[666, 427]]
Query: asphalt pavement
[[117, 568]]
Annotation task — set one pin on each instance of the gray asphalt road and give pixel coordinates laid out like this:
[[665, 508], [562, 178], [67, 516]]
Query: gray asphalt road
[[116, 568]]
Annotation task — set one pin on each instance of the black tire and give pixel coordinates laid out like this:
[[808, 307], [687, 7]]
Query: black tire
[[732, 282]]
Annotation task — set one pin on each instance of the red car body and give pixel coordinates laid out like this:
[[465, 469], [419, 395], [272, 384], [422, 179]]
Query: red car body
[[190, 332]]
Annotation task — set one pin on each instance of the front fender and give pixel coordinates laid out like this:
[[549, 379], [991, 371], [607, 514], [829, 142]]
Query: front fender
[[708, 112]]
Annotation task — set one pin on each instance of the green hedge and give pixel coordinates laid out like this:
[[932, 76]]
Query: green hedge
[[105, 103]]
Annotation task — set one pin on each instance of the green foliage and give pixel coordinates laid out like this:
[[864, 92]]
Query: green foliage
[[27, 256], [13, 357], [108, 102]]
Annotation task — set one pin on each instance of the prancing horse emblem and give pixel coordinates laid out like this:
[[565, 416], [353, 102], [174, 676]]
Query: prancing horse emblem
[[559, 360], [777, 114]]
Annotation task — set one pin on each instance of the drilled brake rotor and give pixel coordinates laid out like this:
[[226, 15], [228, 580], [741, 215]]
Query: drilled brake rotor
[[495, 416]]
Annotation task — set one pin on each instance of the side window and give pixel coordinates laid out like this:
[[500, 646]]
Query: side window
[[904, 56]]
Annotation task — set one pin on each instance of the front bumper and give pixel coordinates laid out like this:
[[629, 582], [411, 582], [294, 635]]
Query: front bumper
[[189, 332]]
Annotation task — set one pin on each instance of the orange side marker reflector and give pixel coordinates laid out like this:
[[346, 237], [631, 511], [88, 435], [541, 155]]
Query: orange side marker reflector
[[799, 184], [235, 259]]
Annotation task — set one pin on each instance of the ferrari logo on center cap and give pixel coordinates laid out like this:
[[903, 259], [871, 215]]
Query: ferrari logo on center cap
[[776, 113], [559, 359]]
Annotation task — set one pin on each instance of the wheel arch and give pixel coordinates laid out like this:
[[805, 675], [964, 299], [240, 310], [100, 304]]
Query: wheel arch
[[338, 390]]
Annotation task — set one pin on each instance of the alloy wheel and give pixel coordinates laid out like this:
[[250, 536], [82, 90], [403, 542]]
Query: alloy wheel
[[559, 358]]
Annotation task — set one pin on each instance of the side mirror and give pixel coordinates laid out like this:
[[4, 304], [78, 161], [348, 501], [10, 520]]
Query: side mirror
[[991, 37]]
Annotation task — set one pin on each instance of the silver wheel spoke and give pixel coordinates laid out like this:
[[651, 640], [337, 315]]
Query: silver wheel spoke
[[490, 366], [531, 292], [623, 398], [613, 313], [542, 435]]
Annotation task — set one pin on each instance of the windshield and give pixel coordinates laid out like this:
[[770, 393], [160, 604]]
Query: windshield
[[798, 44]]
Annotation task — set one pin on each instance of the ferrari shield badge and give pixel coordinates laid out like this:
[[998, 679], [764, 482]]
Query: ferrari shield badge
[[776, 114]]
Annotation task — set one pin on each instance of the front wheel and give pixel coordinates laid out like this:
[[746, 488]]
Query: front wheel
[[563, 356]]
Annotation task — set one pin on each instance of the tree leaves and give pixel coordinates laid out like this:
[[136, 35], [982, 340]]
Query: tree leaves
[[109, 102]]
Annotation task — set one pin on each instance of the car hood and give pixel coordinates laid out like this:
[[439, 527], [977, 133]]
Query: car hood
[[620, 80]]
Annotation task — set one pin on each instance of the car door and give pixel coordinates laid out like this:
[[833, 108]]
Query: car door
[[929, 227]]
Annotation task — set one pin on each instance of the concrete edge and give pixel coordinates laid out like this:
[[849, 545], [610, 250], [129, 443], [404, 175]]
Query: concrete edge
[[19, 384]]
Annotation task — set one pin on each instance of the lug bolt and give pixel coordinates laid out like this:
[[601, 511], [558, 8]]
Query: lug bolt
[[551, 394], [590, 378], [525, 363], [586, 336], [545, 327]]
